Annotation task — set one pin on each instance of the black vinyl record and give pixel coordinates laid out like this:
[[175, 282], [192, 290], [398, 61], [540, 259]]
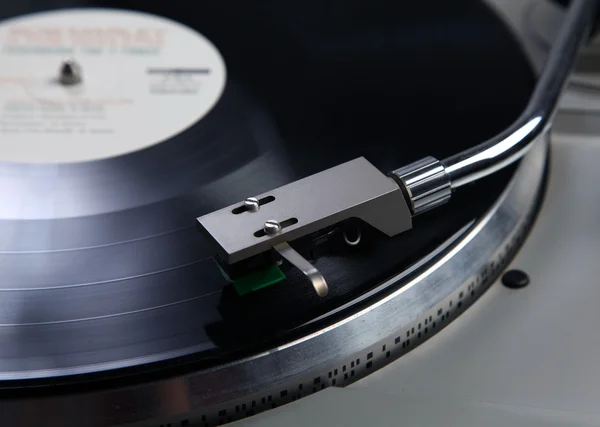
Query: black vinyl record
[[110, 273]]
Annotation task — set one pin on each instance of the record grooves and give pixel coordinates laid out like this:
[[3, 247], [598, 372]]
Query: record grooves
[[104, 276]]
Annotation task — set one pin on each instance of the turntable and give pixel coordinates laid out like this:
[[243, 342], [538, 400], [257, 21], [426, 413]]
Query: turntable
[[246, 211]]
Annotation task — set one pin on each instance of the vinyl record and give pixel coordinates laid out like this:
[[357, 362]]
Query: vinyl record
[[103, 273]]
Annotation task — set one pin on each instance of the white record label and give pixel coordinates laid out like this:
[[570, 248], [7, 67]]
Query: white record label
[[144, 80]]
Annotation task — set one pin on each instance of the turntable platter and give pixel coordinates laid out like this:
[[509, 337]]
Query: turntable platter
[[103, 272]]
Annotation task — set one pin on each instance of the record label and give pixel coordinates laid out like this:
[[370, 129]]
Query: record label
[[144, 79]]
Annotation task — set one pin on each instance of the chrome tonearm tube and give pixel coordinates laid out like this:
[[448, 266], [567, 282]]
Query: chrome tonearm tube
[[357, 189], [429, 181]]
